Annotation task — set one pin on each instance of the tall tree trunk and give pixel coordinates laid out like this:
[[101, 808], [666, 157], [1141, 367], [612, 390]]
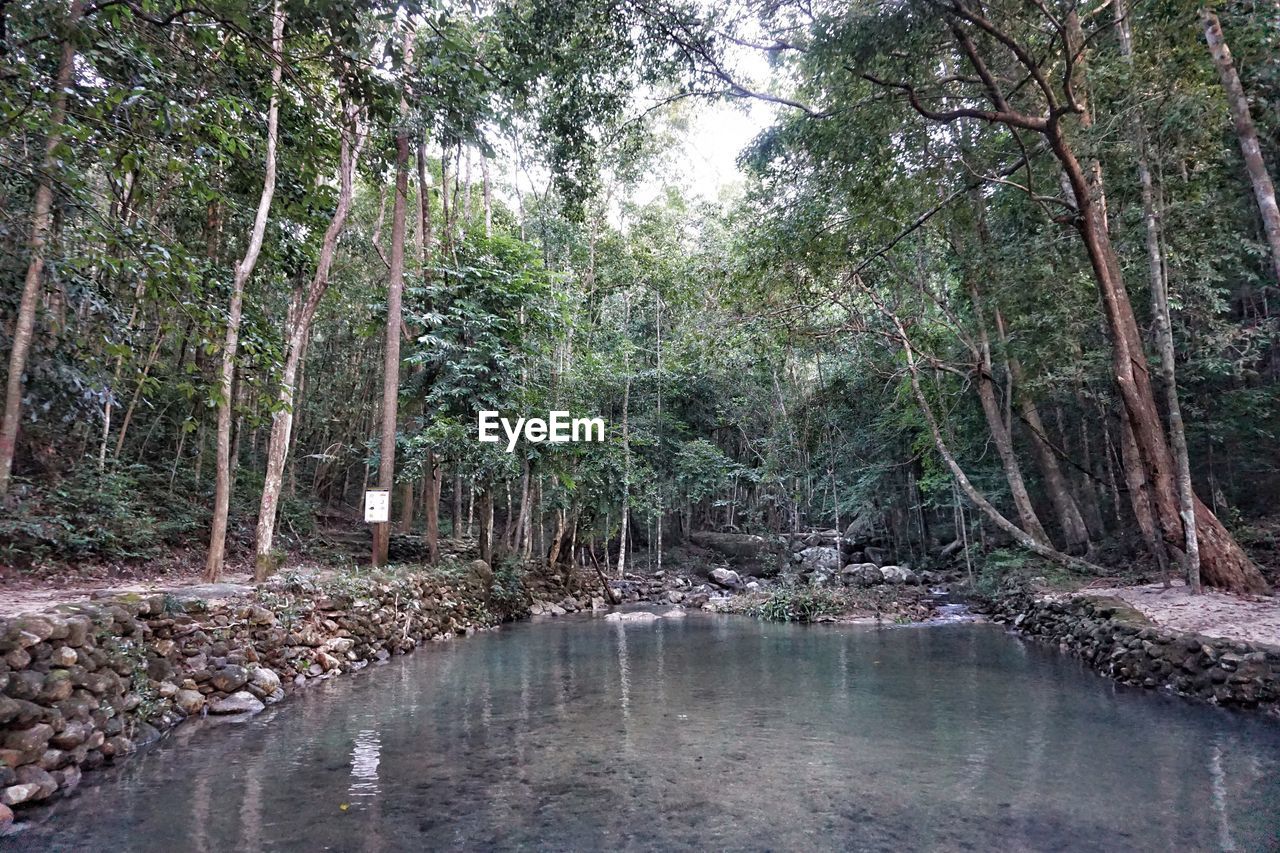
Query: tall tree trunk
[[1164, 320], [303, 310], [626, 447], [1223, 562], [391, 355], [1264, 190], [243, 270], [41, 224]]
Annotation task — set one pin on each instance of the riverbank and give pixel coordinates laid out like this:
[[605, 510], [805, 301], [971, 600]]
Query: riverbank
[[91, 681], [1202, 649]]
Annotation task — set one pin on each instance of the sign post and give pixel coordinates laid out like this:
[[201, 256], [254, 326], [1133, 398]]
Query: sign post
[[377, 510]]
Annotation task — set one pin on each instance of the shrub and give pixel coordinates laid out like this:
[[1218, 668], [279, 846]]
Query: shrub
[[799, 604]]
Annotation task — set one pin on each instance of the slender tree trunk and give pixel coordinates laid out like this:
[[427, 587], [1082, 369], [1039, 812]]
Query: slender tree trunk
[[1022, 537], [626, 447], [243, 270], [455, 507], [298, 326], [1160, 307], [431, 507], [996, 426], [37, 242], [391, 359], [1264, 191]]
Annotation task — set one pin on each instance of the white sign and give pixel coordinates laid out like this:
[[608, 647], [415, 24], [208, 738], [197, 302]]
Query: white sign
[[377, 506]]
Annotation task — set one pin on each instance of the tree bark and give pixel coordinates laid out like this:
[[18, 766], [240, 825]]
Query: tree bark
[[243, 270], [391, 355], [1264, 191], [999, 431], [37, 243], [298, 330], [431, 508], [1164, 321], [1022, 537]]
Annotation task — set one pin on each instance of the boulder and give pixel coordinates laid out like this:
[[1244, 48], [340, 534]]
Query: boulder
[[230, 678], [240, 702], [32, 740], [740, 548], [264, 681], [637, 616], [6, 818], [727, 578], [862, 574], [30, 774], [898, 574], [820, 558], [189, 701], [18, 794], [879, 556]]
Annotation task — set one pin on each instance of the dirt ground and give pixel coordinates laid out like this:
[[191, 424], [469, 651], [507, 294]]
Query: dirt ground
[[1255, 619], [38, 596]]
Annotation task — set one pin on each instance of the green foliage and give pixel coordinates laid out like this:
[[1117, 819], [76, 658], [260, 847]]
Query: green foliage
[[800, 604], [508, 592]]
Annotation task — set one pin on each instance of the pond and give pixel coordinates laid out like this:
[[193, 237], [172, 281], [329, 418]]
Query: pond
[[707, 732]]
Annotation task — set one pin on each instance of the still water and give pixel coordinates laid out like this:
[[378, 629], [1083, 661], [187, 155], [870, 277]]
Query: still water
[[708, 732]]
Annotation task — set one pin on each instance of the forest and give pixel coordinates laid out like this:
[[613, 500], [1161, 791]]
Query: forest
[[995, 281]]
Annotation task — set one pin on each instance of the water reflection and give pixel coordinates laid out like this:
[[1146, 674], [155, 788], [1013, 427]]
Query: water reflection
[[366, 754], [705, 732]]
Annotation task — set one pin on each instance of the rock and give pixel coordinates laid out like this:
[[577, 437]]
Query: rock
[[46, 785], [64, 657], [189, 701], [9, 709], [18, 659], [863, 574], [230, 678], [67, 778], [56, 687], [339, 645], [820, 558], [637, 616], [145, 734], [241, 702], [862, 529], [898, 574], [674, 613], [31, 741], [740, 548], [727, 578], [32, 630], [481, 571], [264, 680], [6, 818], [17, 794], [117, 745], [73, 734], [879, 556]]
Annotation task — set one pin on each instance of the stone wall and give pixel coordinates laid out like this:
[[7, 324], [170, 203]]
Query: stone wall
[[89, 683], [1118, 641]]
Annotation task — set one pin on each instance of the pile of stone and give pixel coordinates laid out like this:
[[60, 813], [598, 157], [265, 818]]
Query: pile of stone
[[1118, 641], [89, 683]]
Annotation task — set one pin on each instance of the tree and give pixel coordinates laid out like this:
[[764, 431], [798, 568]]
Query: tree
[[243, 271]]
